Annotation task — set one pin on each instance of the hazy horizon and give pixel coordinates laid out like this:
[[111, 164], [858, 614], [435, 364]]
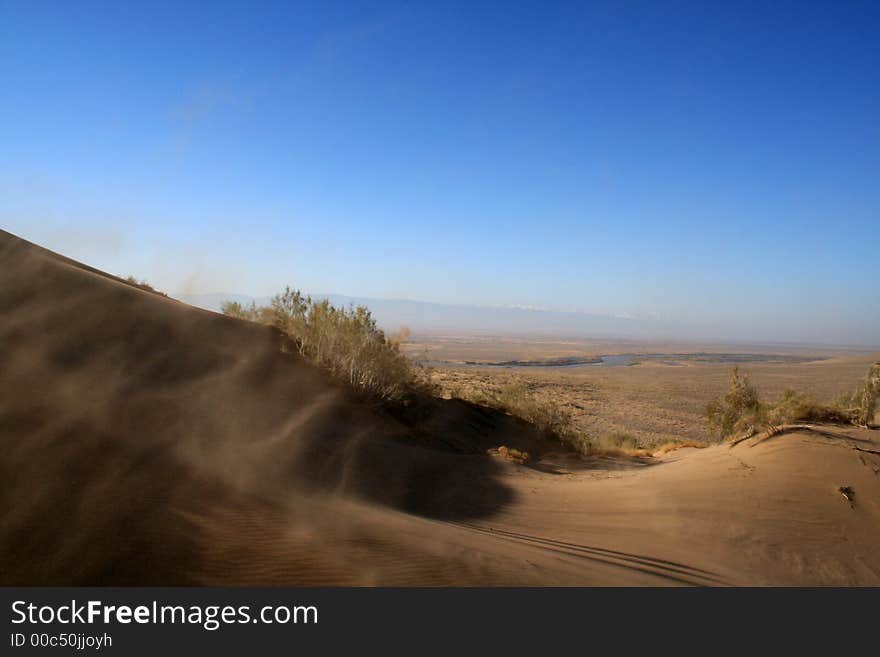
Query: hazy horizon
[[427, 318], [711, 170]]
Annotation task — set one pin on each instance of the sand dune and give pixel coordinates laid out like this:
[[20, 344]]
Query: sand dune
[[143, 441]]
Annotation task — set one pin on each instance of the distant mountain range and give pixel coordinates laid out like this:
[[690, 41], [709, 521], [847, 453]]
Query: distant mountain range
[[420, 316]]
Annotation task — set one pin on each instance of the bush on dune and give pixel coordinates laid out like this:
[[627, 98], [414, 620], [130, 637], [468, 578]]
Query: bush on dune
[[251, 313], [344, 341], [870, 396], [860, 406], [740, 410], [142, 284], [794, 406]]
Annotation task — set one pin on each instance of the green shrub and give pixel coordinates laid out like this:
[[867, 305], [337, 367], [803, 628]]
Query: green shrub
[[793, 407], [142, 284], [860, 406], [739, 410], [344, 341], [250, 313], [870, 395]]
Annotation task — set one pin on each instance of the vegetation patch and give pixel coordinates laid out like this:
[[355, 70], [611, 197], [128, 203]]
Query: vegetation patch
[[741, 411], [143, 285], [860, 406], [346, 342], [556, 423]]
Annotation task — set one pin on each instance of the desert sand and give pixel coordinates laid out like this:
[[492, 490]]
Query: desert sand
[[146, 442]]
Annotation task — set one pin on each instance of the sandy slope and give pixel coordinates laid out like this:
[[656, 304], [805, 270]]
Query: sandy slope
[[146, 442]]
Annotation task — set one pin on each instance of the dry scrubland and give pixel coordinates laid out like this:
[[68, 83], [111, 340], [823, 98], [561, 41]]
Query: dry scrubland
[[653, 403], [459, 348], [143, 441]]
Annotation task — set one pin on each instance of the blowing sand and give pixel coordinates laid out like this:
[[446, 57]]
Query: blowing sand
[[143, 441]]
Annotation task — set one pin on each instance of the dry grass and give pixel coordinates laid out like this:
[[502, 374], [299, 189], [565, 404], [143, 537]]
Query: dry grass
[[555, 422], [617, 444], [549, 418]]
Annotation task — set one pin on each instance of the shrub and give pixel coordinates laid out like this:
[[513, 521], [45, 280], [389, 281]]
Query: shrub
[[869, 394], [795, 406], [739, 410], [142, 284], [344, 341], [860, 406], [250, 313]]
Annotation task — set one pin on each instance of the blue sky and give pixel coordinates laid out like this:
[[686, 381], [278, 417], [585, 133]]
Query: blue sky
[[717, 166]]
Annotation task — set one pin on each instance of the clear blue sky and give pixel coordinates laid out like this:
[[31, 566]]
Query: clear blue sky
[[708, 163]]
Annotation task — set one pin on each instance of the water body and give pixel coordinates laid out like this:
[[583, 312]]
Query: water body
[[623, 360]]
